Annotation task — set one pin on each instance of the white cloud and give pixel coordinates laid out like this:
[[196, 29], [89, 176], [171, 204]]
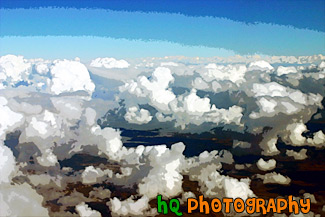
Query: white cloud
[[70, 76], [272, 89], [7, 164], [233, 73], [214, 184], [296, 130], [111, 144], [84, 211], [301, 155], [260, 65], [30, 203], [90, 175], [8, 118], [274, 178], [268, 145], [14, 69], [164, 178], [47, 159], [235, 188], [136, 116], [266, 165], [44, 125], [194, 104], [109, 63], [131, 207], [42, 68], [155, 89], [282, 70], [318, 139], [267, 105]]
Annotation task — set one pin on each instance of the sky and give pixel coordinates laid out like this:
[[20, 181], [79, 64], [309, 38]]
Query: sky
[[129, 29]]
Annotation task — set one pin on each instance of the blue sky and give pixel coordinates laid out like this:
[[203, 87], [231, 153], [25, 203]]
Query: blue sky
[[125, 29]]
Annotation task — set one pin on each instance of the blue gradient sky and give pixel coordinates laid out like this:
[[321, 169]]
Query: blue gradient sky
[[126, 29]]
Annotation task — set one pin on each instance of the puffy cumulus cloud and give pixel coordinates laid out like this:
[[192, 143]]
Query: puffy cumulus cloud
[[293, 136], [266, 165], [109, 63], [270, 89], [192, 109], [301, 155], [296, 130], [42, 68], [235, 188], [55, 122], [177, 98], [9, 119], [111, 143], [282, 70], [164, 178], [68, 121], [47, 159], [274, 178], [274, 99], [91, 175], [269, 107], [43, 130], [243, 83], [84, 211], [44, 125], [14, 69], [16, 200], [184, 109], [155, 89], [318, 139], [233, 73], [274, 89], [21, 200], [55, 77], [136, 116], [213, 184], [322, 65], [194, 104], [131, 207], [268, 144], [260, 65], [70, 76], [85, 131], [7, 164]]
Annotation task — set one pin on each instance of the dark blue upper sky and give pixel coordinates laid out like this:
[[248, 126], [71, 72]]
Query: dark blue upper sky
[[298, 13]]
